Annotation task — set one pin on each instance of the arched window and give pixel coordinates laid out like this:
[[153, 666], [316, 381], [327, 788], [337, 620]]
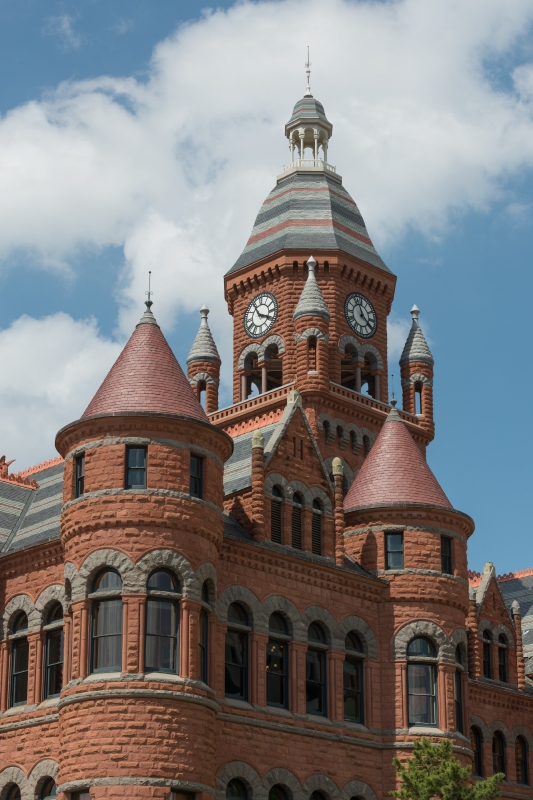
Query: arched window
[[476, 740], [19, 661], [162, 623], [236, 790], [326, 427], [502, 658], [316, 528], [276, 514], [317, 796], [53, 655], [315, 682], [106, 640], [487, 654], [49, 789], [201, 390], [353, 679], [252, 377], [203, 638], [366, 445], [273, 368], [350, 372], [13, 793], [236, 668], [311, 354], [498, 753], [418, 398], [368, 380], [421, 680], [521, 760], [458, 690], [277, 662], [298, 502], [278, 792]]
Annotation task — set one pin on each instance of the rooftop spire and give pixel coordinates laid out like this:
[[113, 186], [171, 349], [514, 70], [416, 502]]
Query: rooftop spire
[[148, 317], [416, 348], [203, 348], [311, 302], [308, 73]]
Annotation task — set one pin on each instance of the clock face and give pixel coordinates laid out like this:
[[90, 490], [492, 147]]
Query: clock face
[[260, 315], [360, 315]]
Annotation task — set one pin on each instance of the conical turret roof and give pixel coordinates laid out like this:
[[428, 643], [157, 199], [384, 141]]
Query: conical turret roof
[[204, 348], [395, 472], [146, 377], [311, 302], [416, 348]]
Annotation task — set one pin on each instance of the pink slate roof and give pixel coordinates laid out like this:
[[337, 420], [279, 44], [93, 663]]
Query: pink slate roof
[[395, 471], [146, 377]]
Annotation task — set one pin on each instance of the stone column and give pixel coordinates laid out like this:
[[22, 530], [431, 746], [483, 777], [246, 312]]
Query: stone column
[[5, 675], [67, 648], [338, 474], [520, 664], [258, 486], [83, 666], [38, 690], [142, 633]]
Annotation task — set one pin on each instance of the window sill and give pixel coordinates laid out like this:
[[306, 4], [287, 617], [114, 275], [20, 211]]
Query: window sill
[[242, 704], [425, 730]]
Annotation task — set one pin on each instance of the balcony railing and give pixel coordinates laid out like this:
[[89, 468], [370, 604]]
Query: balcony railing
[[309, 163]]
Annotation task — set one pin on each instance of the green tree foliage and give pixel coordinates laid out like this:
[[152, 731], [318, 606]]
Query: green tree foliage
[[434, 772]]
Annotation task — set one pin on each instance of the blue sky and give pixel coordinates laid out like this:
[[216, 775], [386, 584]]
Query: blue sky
[[140, 135]]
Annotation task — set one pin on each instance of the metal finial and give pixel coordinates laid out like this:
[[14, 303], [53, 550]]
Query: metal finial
[[308, 73], [148, 303], [393, 401]]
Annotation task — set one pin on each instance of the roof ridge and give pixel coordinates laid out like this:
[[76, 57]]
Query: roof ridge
[[39, 467]]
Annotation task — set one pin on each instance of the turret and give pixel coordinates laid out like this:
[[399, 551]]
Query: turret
[[203, 364], [311, 320], [416, 370]]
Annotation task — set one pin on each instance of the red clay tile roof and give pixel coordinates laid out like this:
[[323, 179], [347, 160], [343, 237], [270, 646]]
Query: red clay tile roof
[[146, 377], [395, 471]]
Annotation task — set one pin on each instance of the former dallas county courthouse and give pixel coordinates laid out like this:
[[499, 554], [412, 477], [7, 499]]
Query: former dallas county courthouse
[[265, 601]]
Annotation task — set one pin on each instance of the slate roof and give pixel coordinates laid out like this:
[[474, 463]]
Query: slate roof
[[521, 590], [146, 377], [416, 348], [204, 348], [309, 211], [311, 302], [395, 471], [308, 108], [238, 469]]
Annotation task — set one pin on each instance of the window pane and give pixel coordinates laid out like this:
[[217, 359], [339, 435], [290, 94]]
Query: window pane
[[315, 682], [353, 690], [487, 666], [163, 581], [421, 683], [275, 520], [107, 580], [136, 468], [196, 488], [19, 669], [502, 663], [394, 548], [316, 535], [161, 635], [297, 527], [54, 664], [421, 647], [107, 635], [276, 667], [277, 623], [235, 674], [236, 613], [446, 555]]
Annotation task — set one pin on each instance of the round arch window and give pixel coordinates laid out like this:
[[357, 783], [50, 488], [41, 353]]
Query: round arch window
[[163, 581], [20, 623], [49, 789], [236, 790], [278, 792], [107, 580]]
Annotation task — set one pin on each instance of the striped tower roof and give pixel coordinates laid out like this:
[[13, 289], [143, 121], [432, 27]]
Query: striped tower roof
[[309, 211]]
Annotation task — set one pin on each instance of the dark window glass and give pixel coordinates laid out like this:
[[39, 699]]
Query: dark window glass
[[107, 636], [197, 469], [297, 521], [55, 613], [317, 796], [205, 592], [277, 792], [81, 796], [14, 793], [446, 555], [316, 633], [276, 670], [53, 679], [203, 645], [236, 613], [163, 581], [353, 689], [394, 554], [277, 624], [502, 658], [236, 671], [49, 789], [521, 760], [316, 529], [136, 468], [315, 682], [20, 623], [107, 580], [487, 654], [498, 753], [19, 672], [421, 647], [353, 642], [459, 655], [162, 621], [422, 694], [475, 738], [275, 518], [458, 699], [80, 475], [236, 790], [176, 794]]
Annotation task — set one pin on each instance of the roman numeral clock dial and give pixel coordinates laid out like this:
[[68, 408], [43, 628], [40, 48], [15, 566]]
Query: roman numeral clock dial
[[260, 315], [360, 315]]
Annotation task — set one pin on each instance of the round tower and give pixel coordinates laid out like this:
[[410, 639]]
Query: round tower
[[141, 529], [203, 364], [416, 370], [311, 320]]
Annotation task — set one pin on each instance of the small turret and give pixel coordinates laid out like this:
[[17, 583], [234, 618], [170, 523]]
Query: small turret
[[311, 317], [203, 364], [416, 370]]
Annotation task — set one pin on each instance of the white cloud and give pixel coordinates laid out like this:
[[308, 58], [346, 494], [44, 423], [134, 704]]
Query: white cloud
[[62, 27], [51, 368]]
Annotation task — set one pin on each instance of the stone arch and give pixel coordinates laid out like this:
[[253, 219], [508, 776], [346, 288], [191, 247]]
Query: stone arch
[[173, 561], [321, 783], [416, 378], [316, 493], [240, 594], [497, 725], [21, 602], [316, 332], [361, 627], [498, 630], [241, 771], [41, 771], [287, 780], [72, 579], [350, 340], [48, 597], [521, 730], [369, 348], [483, 626], [429, 629], [477, 722], [329, 428], [275, 479], [11, 775], [459, 638], [248, 350], [278, 603], [357, 439], [207, 572], [107, 558], [357, 789], [202, 376], [296, 486], [344, 438], [319, 614], [273, 339]]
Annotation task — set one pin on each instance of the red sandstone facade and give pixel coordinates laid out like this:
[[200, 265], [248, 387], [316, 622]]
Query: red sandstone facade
[[304, 518]]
